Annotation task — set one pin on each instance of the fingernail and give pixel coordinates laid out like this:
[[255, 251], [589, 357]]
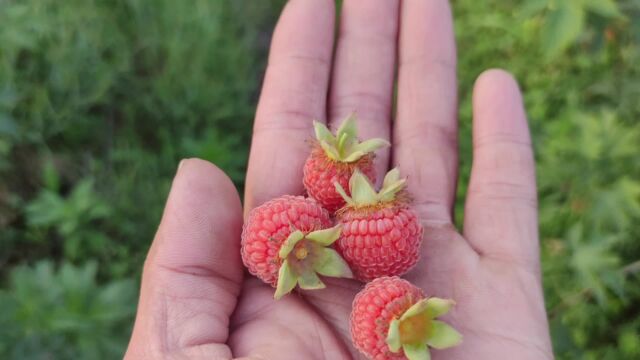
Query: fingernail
[[181, 163]]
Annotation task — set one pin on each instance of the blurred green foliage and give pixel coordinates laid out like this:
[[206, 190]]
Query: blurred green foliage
[[100, 99], [64, 313]]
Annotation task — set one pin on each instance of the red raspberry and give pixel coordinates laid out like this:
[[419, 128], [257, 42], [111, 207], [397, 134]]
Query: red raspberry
[[334, 159], [384, 242], [381, 301], [391, 319], [321, 172], [381, 235], [285, 242]]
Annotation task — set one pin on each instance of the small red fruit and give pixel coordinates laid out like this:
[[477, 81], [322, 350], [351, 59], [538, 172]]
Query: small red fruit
[[286, 242], [391, 319], [381, 235], [334, 159]]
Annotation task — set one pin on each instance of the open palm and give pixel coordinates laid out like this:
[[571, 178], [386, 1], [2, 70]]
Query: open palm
[[197, 303]]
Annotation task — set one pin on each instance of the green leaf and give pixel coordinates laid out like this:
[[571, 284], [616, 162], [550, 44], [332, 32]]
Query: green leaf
[[563, 26], [47, 209], [332, 264], [287, 280], [606, 8], [50, 176], [443, 336], [593, 262], [532, 7], [416, 352], [8, 126]]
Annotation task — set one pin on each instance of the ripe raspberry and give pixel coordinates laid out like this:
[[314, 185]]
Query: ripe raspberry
[[381, 235], [334, 159], [391, 319], [286, 242], [321, 172]]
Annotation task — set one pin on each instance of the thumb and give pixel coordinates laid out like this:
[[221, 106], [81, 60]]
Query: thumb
[[193, 272]]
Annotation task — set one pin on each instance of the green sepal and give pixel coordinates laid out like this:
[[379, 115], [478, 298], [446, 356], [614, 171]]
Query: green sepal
[[416, 309], [348, 128], [344, 146], [340, 190], [290, 243], [325, 237], [322, 132], [443, 336], [416, 352], [354, 156], [363, 193], [331, 151], [393, 336], [287, 280], [432, 307], [437, 307], [321, 260], [309, 280], [438, 334], [391, 177], [371, 145], [343, 142], [391, 185], [330, 263]]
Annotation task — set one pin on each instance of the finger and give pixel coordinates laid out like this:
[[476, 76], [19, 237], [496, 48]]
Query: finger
[[193, 271], [293, 95], [425, 133], [500, 217], [362, 81], [364, 69]]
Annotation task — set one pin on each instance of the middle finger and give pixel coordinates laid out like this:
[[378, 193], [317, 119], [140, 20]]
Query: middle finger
[[425, 134], [364, 69]]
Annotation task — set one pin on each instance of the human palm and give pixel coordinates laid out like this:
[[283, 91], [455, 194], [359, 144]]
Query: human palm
[[196, 302]]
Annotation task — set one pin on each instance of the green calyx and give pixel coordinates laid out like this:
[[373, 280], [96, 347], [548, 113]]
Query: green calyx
[[344, 146], [305, 256], [363, 193], [417, 330]]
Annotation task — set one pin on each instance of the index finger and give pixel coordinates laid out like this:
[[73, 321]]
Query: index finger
[[294, 93]]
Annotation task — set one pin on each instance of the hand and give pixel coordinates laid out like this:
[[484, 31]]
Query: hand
[[195, 302]]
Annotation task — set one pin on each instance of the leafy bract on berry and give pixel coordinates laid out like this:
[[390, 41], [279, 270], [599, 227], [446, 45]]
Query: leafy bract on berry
[[417, 329], [344, 146], [304, 256], [364, 194]]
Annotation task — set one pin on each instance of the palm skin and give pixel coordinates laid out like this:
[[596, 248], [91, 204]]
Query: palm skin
[[196, 302]]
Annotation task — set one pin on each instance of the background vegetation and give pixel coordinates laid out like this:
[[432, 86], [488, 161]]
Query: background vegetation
[[100, 99]]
